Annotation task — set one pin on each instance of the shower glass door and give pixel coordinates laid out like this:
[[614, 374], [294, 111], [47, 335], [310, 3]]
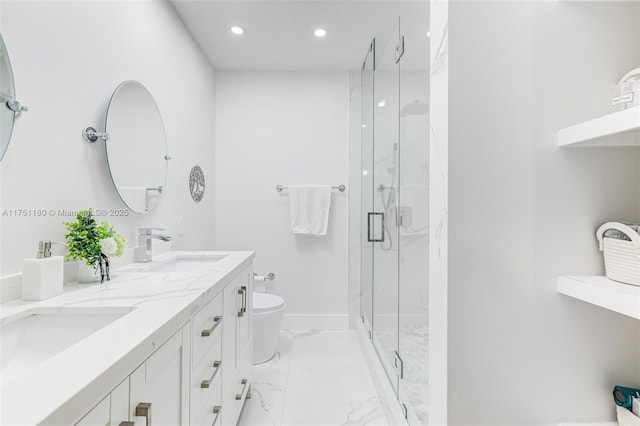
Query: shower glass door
[[385, 185], [367, 193], [395, 186], [413, 219]]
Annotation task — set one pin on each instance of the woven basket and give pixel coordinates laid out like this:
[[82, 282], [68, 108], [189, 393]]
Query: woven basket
[[621, 256]]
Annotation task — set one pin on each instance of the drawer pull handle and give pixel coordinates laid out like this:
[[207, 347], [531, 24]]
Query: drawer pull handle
[[127, 424], [244, 387], [206, 383], [243, 292], [216, 411], [216, 322], [144, 410]]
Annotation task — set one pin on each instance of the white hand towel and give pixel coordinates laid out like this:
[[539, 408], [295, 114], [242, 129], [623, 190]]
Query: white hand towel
[[309, 208]]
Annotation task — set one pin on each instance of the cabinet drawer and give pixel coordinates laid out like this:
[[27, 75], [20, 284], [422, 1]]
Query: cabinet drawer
[[206, 383], [234, 401], [210, 413], [206, 328]]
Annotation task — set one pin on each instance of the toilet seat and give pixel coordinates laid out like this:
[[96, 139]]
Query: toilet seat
[[265, 302]]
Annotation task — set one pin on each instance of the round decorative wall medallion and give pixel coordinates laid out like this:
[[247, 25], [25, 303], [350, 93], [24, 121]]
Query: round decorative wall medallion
[[196, 183]]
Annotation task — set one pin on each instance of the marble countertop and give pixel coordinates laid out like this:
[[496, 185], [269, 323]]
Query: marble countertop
[[159, 304]]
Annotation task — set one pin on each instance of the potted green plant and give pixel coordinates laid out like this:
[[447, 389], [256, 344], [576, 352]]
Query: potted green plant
[[91, 244]]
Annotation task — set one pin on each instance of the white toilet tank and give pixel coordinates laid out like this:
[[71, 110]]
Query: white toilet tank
[[268, 310]]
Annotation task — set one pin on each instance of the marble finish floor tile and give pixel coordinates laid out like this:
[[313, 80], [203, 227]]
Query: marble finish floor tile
[[331, 395], [317, 378], [269, 387], [327, 348], [414, 345]]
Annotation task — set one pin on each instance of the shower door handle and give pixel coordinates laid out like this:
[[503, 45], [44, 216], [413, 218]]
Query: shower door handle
[[375, 219]]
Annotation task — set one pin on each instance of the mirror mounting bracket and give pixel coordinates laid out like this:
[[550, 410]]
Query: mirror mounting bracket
[[91, 135], [16, 107]]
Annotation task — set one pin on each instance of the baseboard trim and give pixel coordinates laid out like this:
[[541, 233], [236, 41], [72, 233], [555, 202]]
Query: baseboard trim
[[315, 322]]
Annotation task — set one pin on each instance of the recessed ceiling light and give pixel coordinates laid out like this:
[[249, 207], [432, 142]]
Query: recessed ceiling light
[[237, 30], [320, 32], [382, 103], [428, 33], [364, 125]]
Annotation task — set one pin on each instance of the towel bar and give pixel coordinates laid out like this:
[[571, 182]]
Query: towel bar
[[340, 188]]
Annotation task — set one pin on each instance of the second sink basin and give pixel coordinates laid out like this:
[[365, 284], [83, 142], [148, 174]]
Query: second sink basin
[[181, 263], [33, 337], [189, 264]]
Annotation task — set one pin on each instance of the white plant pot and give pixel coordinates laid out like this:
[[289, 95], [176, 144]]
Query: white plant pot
[[86, 274]]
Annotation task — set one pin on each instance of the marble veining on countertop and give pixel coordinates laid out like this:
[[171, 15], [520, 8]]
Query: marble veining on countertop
[[159, 304]]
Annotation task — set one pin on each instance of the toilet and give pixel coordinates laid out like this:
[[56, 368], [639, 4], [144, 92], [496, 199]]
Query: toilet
[[268, 310]]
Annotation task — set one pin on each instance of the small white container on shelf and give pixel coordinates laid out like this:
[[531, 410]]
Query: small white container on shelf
[[626, 93], [621, 246], [42, 277]]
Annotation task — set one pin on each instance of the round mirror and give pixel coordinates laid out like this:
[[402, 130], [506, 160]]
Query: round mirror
[[137, 147], [7, 94]]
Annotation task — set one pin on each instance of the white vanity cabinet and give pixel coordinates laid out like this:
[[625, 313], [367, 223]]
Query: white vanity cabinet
[[112, 410], [157, 389], [237, 336], [200, 376]]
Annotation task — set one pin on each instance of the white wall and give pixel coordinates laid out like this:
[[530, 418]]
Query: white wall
[[68, 58], [285, 128], [523, 211]]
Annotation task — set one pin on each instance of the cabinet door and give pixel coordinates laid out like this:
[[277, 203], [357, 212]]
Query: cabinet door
[[98, 416], [237, 334], [232, 303], [112, 410], [245, 322], [229, 330], [119, 411], [160, 387]]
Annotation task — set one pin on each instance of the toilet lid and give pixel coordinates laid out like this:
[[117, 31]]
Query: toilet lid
[[266, 302]]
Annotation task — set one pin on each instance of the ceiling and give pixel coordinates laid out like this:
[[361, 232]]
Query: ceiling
[[279, 33]]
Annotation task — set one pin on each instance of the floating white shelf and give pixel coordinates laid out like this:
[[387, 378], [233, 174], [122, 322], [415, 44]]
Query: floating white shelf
[[603, 292], [620, 128]]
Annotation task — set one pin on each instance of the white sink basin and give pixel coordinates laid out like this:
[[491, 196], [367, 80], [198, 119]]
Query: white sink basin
[[185, 263], [33, 337]]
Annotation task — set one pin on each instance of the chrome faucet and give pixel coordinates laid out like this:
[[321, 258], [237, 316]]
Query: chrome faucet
[[145, 235]]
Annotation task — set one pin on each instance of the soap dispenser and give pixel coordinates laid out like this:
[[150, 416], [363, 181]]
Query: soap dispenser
[[42, 277]]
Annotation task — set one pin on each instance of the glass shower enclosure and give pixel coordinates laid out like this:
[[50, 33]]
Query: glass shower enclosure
[[394, 218]]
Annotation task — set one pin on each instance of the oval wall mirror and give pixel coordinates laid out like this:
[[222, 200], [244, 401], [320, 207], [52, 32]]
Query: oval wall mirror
[[7, 94], [137, 147]]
